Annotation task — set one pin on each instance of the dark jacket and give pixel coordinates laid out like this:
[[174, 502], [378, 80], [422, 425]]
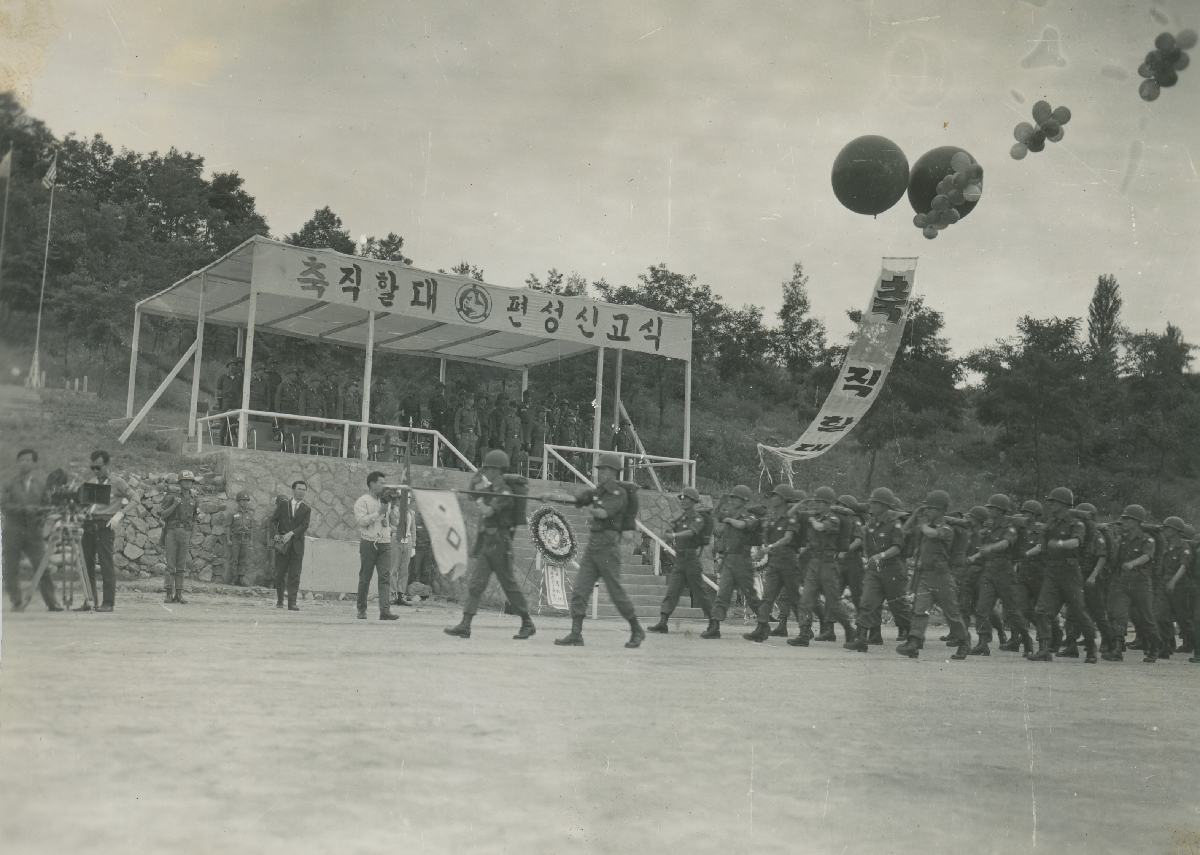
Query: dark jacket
[[282, 522]]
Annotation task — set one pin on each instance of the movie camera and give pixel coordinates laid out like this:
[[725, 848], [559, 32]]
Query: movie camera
[[72, 498]]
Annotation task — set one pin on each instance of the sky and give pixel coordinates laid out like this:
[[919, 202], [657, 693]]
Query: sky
[[605, 138]]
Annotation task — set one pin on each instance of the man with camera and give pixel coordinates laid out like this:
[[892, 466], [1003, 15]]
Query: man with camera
[[100, 530], [377, 514], [22, 519]]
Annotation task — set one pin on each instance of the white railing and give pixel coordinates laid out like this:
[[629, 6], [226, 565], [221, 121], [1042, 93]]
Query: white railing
[[232, 417], [640, 460]]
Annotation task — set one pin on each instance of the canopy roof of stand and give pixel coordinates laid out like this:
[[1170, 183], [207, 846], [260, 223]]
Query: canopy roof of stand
[[325, 296]]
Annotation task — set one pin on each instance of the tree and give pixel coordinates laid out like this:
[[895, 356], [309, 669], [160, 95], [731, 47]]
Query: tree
[[323, 231], [1104, 324], [465, 269], [573, 285], [799, 341], [389, 248]]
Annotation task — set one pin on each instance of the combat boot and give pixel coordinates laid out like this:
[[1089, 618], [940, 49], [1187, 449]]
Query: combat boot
[[1001, 638], [981, 649], [910, 648], [781, 631], [575, 637], [463, 630], [527, 629], [949, 638], [636, 634], [1012, 645], [1027, 643], [964, 650], [1136, 644], [1044, 654], [874, 635], [827, 633], [761, 631], [1070, 651], [855, 640], [661, 626], [800, 640], [713, 631], [1194, 658], [179, 597], [387, 614], [1167, 648], [1089, 649], [170, 597], [1113, 654], [1151, 652]]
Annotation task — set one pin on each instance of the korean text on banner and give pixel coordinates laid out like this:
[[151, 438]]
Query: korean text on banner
[[556, 586], [447, 532], [866, 367], [331, 277]]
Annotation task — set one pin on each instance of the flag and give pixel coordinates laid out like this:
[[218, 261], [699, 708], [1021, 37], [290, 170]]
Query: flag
[[6, 165], [48, 181], [447, 532]]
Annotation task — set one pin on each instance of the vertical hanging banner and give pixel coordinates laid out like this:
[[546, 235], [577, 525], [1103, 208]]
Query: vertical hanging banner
[[865, 369]]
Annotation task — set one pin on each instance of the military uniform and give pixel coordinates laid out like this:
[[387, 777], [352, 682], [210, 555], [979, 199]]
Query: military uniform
[[1131, 592], [998, 582], [965, 581], [241, 531], [851, 564], [823, 576], [22, 533], [179, 515], [229, 397], [736, 572], [510, 429], [1062, 582], [260, 393], [782, 576], [1172, 606], [1029, 574], [602, 556], [1095, 595], [492, 550], [466, 430], [933, 584], [686, 573], [885, 580]]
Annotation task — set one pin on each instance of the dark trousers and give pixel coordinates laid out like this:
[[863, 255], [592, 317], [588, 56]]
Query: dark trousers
[[852, 572], [780, 582], [885, 584], [1026, 590], [287, 575], [601, 560], [1063, 585], [966, 587], [823, 578], [998, 583], [736, 574], [98, 548], [1172, 606], [495, 557], [1095, 600], [935, 586], [239, 561], [686, 575], [1130, 594], [373, 557], [24, 538]]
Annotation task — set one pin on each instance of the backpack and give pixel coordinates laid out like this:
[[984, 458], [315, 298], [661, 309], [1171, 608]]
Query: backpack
[[628, 520], [706, 533], [519, 485], [846, 531]]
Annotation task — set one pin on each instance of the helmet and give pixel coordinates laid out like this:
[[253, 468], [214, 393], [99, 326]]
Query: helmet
[[848, 501], [979, 512], [1175, 523], [1136, 512], [783, 490], [610, 461], [690, 493], [825, 494], [495, 459], [1033, 506], [186, 475], [799, 496], [1062, 495], [1000, 502], [938, 499], [1189, 531], [1087, 508], [741, 491], [243, 496], [884, 496]]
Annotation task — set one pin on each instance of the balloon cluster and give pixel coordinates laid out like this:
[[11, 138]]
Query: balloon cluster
[[1049, 127], [1163, 64], [961, 185]]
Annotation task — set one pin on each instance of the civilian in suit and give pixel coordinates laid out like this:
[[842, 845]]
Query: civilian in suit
[[287, 527]]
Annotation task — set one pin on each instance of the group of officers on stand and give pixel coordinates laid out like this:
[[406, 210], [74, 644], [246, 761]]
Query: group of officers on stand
[[1009, 567]]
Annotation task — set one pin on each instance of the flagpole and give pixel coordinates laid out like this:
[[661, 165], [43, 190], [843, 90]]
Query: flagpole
[[4, 222], [35, 370]]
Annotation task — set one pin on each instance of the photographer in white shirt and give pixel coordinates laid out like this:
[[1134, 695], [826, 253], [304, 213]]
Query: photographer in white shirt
[[377, 517]]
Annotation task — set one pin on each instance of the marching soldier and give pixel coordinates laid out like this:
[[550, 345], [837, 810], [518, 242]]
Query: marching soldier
[[783, 574], [965, 531], [850, 542], [1131, 588], [886, 577], [1061, 543], [823, 576], [602, 557], [1029, 565], [1093, 566], [997, 548], [238, 533], [1172, 593], [932, 583], [687, 535], [741, 530], [492, 549]]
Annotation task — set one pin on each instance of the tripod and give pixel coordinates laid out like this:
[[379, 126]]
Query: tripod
[[66, 542]]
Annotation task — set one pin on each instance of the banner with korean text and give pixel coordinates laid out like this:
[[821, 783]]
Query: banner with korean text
[[864, 370], [386, 286]]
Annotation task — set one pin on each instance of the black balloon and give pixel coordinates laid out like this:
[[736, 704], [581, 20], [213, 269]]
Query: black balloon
[[927, 173], [1166, 78], [870, 175], [1164, 41]]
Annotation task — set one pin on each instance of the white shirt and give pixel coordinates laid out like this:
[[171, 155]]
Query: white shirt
[[371, 526]]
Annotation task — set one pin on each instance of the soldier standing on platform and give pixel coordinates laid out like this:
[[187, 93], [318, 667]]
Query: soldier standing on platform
[[997, 548], [687, 535], [780, 535], [823, 576], [239, 531], [602, 557], [886, 578], [742, 527], [1131, 587], [274, 378], [496, 422], [351, 410], [466, 427], [440, 414], [511, 430], [260, 397], [932, 582], [229, 397], [290, 399], [1061, 544]]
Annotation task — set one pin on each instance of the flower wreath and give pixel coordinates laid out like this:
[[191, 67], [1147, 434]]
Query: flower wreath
[[552, 536]]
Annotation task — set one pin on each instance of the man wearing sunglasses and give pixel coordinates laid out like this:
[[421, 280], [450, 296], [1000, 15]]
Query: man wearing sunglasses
[[100, 529]]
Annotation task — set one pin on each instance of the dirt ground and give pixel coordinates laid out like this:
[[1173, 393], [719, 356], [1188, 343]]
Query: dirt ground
[[228, 726]]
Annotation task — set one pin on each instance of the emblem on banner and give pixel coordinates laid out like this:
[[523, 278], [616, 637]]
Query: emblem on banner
[[473, 304]]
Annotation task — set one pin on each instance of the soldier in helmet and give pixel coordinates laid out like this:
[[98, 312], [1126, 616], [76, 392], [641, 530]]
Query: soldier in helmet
[[687, 535], [1093, 566], [850, 543], [742, 527], [782, 576], [885, 578], [1062, 542], [823, 576], [239, 528], [179, 515], [1172, 594], [932, 583], [997, 580], [1131, 589], [1029, 565], [602, 556], [492, 549]]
